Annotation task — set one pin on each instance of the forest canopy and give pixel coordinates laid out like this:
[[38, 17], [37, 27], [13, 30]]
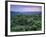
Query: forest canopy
[[25, 23]]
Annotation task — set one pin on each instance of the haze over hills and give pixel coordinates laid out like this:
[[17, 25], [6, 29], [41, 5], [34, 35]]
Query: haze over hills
[[24, 13]]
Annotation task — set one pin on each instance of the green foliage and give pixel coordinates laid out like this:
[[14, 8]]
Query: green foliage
[[25, 23]]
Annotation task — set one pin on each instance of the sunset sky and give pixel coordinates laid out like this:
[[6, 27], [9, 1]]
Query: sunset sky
[[25, 8]]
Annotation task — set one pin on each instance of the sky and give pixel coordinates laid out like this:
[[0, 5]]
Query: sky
[[25, 8]]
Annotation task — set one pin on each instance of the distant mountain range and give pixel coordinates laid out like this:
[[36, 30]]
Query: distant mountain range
[[24, 13]]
